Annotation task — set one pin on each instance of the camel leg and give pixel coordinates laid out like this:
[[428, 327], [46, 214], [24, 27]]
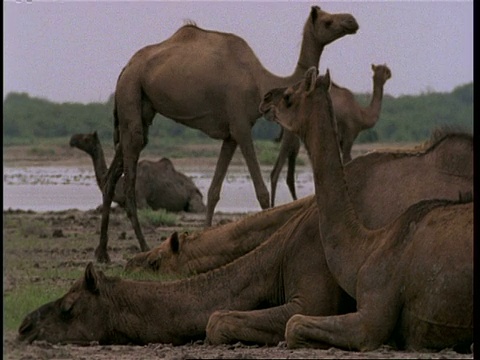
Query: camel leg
[[347, 145], [274, 175], [226, 153], [250, 157], [130, 170], [258, 326], [364, 330], [113, 174], [292, 159]]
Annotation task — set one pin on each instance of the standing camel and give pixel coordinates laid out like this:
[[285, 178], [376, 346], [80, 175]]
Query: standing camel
[[158, 185], [188, 79], [351, 118], [412, 278]]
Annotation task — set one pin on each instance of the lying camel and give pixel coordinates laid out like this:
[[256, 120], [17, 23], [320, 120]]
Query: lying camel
[[201, 94], [412, 278], [158, 185], [188, 254], [440, 168], [351, 118], [283, 276]]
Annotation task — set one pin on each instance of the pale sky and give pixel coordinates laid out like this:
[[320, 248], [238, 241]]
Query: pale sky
[[73, 51]]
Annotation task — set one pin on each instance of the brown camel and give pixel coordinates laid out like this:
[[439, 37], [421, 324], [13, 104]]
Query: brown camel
[[351, 119], [412, 279], [188, 79], [188, 254], [158, 185], [440, 168], [284, 276]]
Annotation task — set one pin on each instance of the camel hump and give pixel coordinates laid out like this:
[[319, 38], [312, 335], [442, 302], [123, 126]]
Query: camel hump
[[166, 162]]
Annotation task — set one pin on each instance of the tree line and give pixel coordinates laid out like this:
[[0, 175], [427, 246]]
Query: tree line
[[407, 118]]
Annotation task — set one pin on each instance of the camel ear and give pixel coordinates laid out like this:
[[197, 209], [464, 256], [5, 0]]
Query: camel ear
[[327, 80], [373, 67], [91, 278], [314, 13], [310, 79], [174, 243]]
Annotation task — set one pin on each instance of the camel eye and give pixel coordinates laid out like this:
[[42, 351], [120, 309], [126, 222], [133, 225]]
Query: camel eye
[[328, 23], [288, 99]]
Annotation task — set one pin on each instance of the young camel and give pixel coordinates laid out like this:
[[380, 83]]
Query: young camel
[[351, 119], [180, 78], [158, 185], [412, 279], [440, 168]]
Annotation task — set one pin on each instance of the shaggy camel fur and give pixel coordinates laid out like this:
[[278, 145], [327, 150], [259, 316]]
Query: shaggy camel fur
[[286, 275], [351, 119], [158, 185], [412, 279], [439, 168], [187, 78]]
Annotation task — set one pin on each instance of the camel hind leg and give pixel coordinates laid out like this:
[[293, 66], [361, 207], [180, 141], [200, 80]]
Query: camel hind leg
[[113, 174], [134, 138], [292, 159], [275, 174], [226, 153]]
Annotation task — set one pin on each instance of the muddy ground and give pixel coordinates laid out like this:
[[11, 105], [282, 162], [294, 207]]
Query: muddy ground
[[50, 244]]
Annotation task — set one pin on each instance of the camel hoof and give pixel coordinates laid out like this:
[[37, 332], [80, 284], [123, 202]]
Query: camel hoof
[[102, 256]]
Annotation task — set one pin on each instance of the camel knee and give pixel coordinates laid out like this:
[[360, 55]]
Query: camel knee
[[293, 331], [216, 328]]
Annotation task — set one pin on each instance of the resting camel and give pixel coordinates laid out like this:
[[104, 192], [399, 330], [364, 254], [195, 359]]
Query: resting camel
[[188, 254], [440, 168], [176, 312], [412, 278], [351, 119], [158, 185], [283, 276], [187, 78]]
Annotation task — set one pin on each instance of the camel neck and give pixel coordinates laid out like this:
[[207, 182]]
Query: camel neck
[[183, 307], [339, 224], [373, 110], [310, 53], [99, 165]]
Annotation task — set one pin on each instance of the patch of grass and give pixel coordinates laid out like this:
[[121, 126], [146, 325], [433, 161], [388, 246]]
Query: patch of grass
[[156, 217], [267, 152], [41, 151], [18, 303]]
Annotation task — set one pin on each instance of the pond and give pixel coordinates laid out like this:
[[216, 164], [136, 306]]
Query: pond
[[52, 188]]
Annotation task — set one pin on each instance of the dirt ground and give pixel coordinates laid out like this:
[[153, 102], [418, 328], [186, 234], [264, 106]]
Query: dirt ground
[[44, 248]]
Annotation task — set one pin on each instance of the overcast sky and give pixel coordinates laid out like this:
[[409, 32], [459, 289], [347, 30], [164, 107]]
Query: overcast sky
[[74, 50]]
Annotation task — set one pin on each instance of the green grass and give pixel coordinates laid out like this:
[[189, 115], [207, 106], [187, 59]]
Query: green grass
[[19, 302], [156, 217]]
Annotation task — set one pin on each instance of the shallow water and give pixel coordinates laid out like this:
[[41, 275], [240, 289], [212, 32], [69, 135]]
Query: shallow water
[[50, 188]]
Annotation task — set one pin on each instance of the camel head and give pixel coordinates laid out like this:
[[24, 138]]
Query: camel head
[[85, 142], [161, 259], [330, 27], [77, 317], [381, 73], [285, 105]]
